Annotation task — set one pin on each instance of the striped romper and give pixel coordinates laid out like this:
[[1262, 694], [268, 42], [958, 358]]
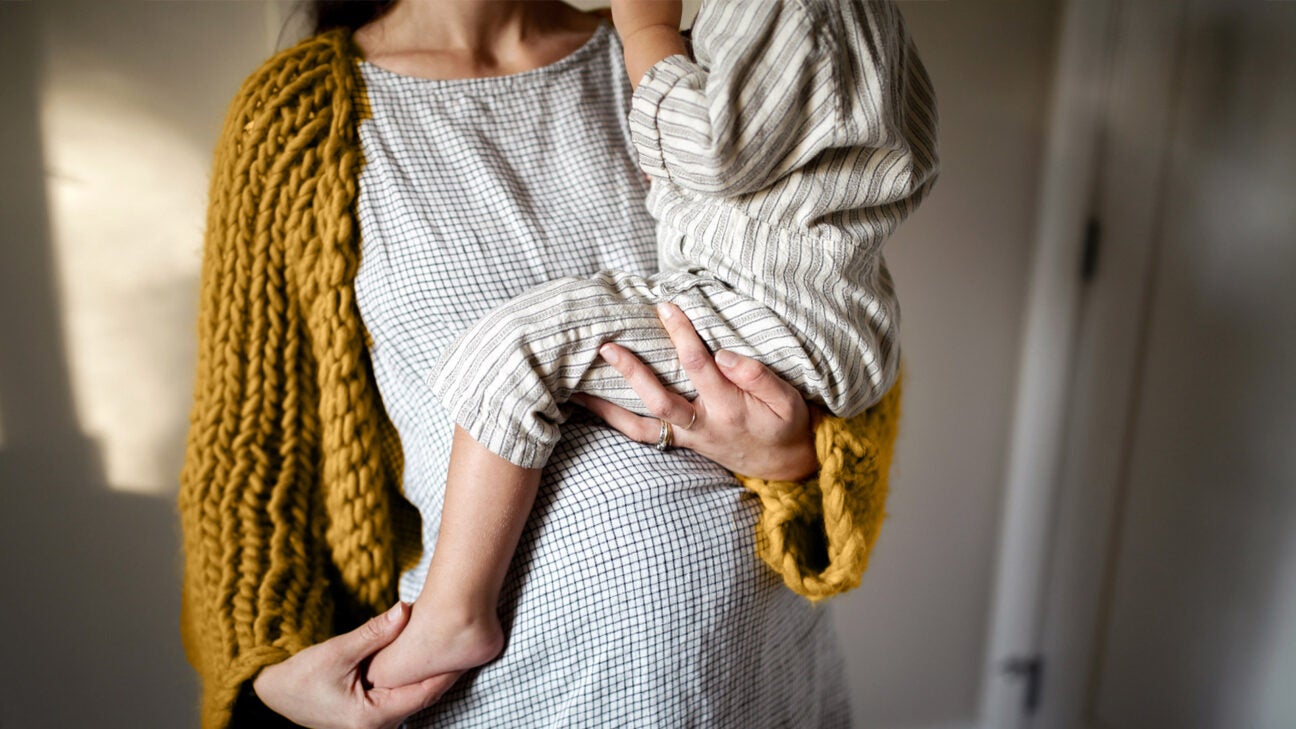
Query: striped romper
[[780, 160]]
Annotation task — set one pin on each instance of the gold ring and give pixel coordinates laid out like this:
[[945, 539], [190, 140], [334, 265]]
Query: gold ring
[[664, 436], [692, 420]]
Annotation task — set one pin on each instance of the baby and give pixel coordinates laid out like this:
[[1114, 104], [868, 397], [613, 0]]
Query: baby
[[781, 158]]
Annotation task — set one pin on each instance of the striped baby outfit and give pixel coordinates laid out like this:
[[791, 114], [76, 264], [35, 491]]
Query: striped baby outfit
[[781, 159]]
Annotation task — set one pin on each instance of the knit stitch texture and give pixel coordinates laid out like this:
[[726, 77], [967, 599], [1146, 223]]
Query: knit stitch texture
[[290, 500]]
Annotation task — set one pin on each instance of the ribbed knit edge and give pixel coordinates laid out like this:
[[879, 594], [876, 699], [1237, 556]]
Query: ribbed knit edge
[[819, 534]]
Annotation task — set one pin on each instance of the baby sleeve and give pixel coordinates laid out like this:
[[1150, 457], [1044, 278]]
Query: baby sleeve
[[760, 100], [774, 84]]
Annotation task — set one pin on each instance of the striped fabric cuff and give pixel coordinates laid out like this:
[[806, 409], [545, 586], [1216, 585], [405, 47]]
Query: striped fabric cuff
[[645, 105], [471, 402]]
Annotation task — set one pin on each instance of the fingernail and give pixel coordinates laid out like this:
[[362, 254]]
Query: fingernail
[[609, 354], [725, 358], [394, 614], [665, 311]]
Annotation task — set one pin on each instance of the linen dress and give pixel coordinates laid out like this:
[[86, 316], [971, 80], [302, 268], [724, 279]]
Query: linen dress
[[635, 597], [781, 161]]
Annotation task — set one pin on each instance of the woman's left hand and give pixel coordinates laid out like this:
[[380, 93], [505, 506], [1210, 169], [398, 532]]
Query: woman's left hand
[[323, 686], [748, 419]]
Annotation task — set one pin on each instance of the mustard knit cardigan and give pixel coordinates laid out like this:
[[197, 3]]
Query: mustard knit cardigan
[[290, 496]]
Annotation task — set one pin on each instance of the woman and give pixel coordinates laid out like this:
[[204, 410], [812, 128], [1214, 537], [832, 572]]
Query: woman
[[488, 144]]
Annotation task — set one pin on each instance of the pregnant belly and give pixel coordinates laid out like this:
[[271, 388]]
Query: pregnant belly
[[635, 591], [592, 455], [661, 522]]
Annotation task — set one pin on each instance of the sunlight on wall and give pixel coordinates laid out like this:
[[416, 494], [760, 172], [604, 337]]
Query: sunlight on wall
[[1272, 697], [127, 200]]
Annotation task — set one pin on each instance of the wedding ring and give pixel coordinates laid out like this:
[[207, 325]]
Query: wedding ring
[[664, 436]]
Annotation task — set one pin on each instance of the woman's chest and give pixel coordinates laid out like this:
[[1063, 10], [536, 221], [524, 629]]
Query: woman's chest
[[465, 203]]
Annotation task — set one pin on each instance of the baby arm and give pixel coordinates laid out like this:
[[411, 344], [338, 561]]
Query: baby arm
[[760, 100], [506, 377], [773, 86], [649, 31]]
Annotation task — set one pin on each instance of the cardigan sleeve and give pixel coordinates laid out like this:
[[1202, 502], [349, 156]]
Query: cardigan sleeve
[[256, 579]]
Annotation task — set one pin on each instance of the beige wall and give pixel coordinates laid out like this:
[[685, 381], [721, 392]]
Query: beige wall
[[916, 627], [112, 108]]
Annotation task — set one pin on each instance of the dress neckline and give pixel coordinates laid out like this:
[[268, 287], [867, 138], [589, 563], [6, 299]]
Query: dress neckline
[[486, 82]]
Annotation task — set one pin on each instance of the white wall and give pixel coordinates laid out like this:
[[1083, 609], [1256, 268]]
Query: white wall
[[112, 109], [915, 628]]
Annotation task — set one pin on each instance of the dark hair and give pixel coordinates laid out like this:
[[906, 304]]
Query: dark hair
[[329, 14]]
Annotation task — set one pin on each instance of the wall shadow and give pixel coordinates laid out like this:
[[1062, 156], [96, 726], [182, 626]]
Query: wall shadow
[[90, 620]]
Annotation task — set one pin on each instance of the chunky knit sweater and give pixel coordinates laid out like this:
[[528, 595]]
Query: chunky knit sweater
[[290, 498]]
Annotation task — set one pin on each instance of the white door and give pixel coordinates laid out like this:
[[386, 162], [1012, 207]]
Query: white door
[[1169, 598]]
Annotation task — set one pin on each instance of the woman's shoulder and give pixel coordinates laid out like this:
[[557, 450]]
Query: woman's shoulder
[[295, 117], [313, 53], [308, 73]]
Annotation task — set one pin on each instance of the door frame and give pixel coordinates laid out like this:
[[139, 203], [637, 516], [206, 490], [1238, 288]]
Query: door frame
[[1103, 174]]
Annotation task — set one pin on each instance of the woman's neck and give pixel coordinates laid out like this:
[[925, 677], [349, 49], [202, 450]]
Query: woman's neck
[[466, 38], [473, 26]]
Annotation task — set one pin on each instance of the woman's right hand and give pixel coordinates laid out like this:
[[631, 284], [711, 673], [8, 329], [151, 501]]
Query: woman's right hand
[[745, 417], [323, 686]]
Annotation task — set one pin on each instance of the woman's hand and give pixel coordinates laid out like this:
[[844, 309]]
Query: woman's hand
[[749, 420], [323, 686]]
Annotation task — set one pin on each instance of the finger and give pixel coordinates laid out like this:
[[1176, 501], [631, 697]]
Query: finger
[[759, 381], [817, 413], [693, 354], [395, 704], [352, 648], [659, 401], [636, 427], [633, 426]]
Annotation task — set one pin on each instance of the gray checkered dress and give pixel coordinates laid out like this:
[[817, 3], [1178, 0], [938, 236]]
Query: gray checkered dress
[[635, 597]]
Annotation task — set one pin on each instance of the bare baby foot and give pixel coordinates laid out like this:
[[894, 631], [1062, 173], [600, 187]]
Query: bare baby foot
[[436, 642]]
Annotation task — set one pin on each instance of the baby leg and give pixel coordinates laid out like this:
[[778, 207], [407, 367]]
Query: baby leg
[[454, 625]]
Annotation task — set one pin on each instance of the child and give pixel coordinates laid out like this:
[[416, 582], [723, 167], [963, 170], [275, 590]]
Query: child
[[780, 161]]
